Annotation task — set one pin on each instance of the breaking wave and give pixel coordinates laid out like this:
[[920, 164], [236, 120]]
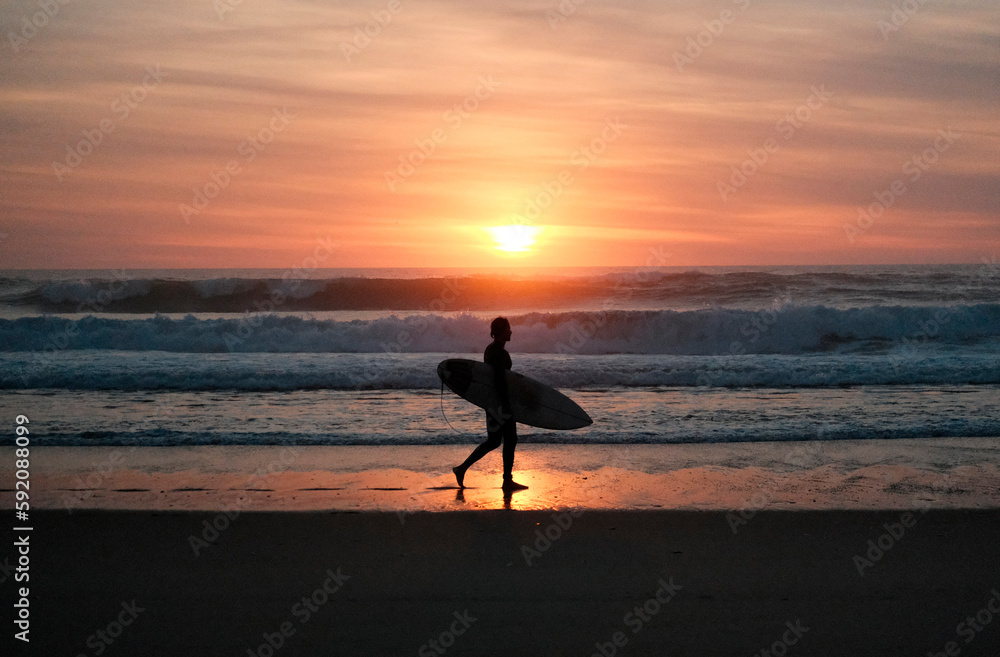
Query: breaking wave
[[135, 292], [785, 330]]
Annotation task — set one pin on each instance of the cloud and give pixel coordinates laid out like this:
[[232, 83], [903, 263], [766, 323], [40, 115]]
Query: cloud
[[558, 83]]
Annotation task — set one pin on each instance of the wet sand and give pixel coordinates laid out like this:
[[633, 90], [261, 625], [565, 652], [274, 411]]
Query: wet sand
[[953, 473]]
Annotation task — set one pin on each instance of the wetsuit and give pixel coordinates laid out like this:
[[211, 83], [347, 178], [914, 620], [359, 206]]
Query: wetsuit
[[500, 425]]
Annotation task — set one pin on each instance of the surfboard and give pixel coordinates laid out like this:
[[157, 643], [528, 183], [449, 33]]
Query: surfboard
[[532, 402]]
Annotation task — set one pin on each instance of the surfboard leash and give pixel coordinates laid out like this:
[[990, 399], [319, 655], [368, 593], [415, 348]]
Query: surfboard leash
[[445, 415]]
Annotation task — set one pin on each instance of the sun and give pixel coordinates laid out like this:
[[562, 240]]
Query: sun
[[515, 238]]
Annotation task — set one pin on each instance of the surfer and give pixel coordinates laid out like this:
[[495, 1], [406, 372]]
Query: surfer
[[500, 425]]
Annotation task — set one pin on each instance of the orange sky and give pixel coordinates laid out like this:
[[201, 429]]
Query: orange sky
[[624, 132]]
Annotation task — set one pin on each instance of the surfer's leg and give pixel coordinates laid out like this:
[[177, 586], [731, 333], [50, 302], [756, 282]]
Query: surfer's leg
[[493, 440], [509, 443]]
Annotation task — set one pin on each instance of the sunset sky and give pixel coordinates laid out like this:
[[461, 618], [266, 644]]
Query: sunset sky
[[605, 128]]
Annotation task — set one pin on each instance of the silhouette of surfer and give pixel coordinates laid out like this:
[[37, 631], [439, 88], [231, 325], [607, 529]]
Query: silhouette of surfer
[[500, 425]]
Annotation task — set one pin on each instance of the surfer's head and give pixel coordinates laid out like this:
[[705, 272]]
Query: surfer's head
[[500, 327]]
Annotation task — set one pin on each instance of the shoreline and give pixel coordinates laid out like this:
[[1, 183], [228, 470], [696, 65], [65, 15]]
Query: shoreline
[[937, 473]]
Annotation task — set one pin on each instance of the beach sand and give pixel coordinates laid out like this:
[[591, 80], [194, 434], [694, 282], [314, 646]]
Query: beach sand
[[392, 586], [371, 572]]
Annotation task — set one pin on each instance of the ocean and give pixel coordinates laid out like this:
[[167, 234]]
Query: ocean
[[348, 357]]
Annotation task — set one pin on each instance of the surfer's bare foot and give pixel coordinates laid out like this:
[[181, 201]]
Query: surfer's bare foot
[[510, 484], [459, 475]]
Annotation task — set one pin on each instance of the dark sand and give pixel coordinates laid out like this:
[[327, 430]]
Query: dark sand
[[410, 574]]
